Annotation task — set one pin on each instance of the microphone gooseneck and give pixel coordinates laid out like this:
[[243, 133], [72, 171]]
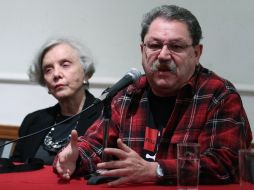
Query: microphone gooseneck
[[130, 77]]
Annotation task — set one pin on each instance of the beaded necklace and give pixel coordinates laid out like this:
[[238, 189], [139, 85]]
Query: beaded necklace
[[53, 141]]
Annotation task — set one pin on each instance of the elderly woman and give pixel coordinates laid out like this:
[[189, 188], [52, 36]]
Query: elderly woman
[[64, 68]]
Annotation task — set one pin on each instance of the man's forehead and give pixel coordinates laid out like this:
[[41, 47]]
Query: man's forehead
[[168, 29]]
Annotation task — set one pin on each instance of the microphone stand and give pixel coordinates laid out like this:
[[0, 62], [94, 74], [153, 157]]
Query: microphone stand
[[107, 116], [96, 178]]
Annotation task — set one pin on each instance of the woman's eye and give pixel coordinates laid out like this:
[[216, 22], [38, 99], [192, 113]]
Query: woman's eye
[[47, 70], [66, 64]]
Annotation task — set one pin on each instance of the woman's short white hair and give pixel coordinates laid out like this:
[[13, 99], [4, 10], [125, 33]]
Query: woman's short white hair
[[35, 71]]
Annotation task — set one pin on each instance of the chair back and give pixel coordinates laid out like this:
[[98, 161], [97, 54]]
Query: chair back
[[7, 133]]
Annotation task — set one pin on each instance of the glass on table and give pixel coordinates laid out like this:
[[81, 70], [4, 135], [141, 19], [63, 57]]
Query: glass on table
[[188, 161]]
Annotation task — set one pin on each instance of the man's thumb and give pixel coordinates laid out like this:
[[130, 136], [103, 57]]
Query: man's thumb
[[74, 138]]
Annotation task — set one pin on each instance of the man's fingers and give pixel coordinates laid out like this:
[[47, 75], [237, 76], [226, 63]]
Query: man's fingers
[[61, 159], [121, 152], [123, 146], [66, 175], [116, 152], [121, 172], [111, 165], [74, 138]]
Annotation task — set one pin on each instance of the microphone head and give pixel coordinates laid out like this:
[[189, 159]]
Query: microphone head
[[134, 73]]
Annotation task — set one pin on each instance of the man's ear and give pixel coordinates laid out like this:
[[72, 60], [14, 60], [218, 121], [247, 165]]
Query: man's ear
[[198, 49], [141, 47]]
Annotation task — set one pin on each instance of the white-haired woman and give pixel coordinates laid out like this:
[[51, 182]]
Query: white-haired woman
[[64, 68]]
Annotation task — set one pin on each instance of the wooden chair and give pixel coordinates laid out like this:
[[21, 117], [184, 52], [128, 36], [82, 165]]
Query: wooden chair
[[7, 133]]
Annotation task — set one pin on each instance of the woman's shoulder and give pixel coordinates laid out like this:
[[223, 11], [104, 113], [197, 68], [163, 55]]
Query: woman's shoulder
[[37, 120], [42, 113]]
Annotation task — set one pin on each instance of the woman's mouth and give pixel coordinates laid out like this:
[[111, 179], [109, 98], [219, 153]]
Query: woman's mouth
[[59, 86]]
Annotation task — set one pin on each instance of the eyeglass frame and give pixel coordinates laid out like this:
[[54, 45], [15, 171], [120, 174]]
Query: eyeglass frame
[[169, 47]]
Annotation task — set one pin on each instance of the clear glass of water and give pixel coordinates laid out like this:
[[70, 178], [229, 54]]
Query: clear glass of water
[[188, 156]]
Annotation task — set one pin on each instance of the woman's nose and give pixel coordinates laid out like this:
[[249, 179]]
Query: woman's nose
[[57, 73]]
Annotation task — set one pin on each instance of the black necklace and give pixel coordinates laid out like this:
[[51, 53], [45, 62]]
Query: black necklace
[[53, 141]]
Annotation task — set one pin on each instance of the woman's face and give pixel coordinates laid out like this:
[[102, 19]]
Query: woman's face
[[63, 72]]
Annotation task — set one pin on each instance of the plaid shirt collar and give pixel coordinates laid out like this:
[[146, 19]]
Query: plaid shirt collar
[[187, 90]]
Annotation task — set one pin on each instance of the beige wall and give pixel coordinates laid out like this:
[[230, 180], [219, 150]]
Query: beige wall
[[111, 28]]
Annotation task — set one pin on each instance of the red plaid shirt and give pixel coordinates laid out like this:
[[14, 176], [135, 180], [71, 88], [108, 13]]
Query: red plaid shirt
[[208, 110]]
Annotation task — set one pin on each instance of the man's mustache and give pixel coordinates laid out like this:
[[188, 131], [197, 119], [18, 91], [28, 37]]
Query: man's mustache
[[164, 66]]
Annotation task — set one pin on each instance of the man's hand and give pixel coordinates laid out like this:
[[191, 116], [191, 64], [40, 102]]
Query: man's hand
[[131, 168], [66, 163]]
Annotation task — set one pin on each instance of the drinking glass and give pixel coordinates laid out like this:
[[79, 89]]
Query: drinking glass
[[188, 155]]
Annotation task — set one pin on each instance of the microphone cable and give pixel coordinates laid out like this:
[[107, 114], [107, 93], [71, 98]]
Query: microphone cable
[[55, 125]]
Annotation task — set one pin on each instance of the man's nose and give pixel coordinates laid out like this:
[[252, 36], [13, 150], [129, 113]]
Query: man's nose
[[164, 53]]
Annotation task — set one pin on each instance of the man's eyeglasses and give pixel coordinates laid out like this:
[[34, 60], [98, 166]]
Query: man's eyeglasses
[[154, 47]]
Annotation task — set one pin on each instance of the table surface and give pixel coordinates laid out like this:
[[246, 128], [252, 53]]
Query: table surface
[[45, 179]]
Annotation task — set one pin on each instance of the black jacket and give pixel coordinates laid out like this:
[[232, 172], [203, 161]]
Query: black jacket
[[44, 118]]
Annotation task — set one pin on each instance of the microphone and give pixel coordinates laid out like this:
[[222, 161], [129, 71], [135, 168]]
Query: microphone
[[129, 78]]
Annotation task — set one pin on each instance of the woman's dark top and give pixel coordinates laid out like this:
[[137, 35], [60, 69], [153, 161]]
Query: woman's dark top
[[36, 146]]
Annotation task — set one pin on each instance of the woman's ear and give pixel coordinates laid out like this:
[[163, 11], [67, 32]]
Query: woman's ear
[[85, 82]]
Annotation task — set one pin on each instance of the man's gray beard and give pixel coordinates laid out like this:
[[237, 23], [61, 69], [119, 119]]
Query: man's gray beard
[[169, 64]]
